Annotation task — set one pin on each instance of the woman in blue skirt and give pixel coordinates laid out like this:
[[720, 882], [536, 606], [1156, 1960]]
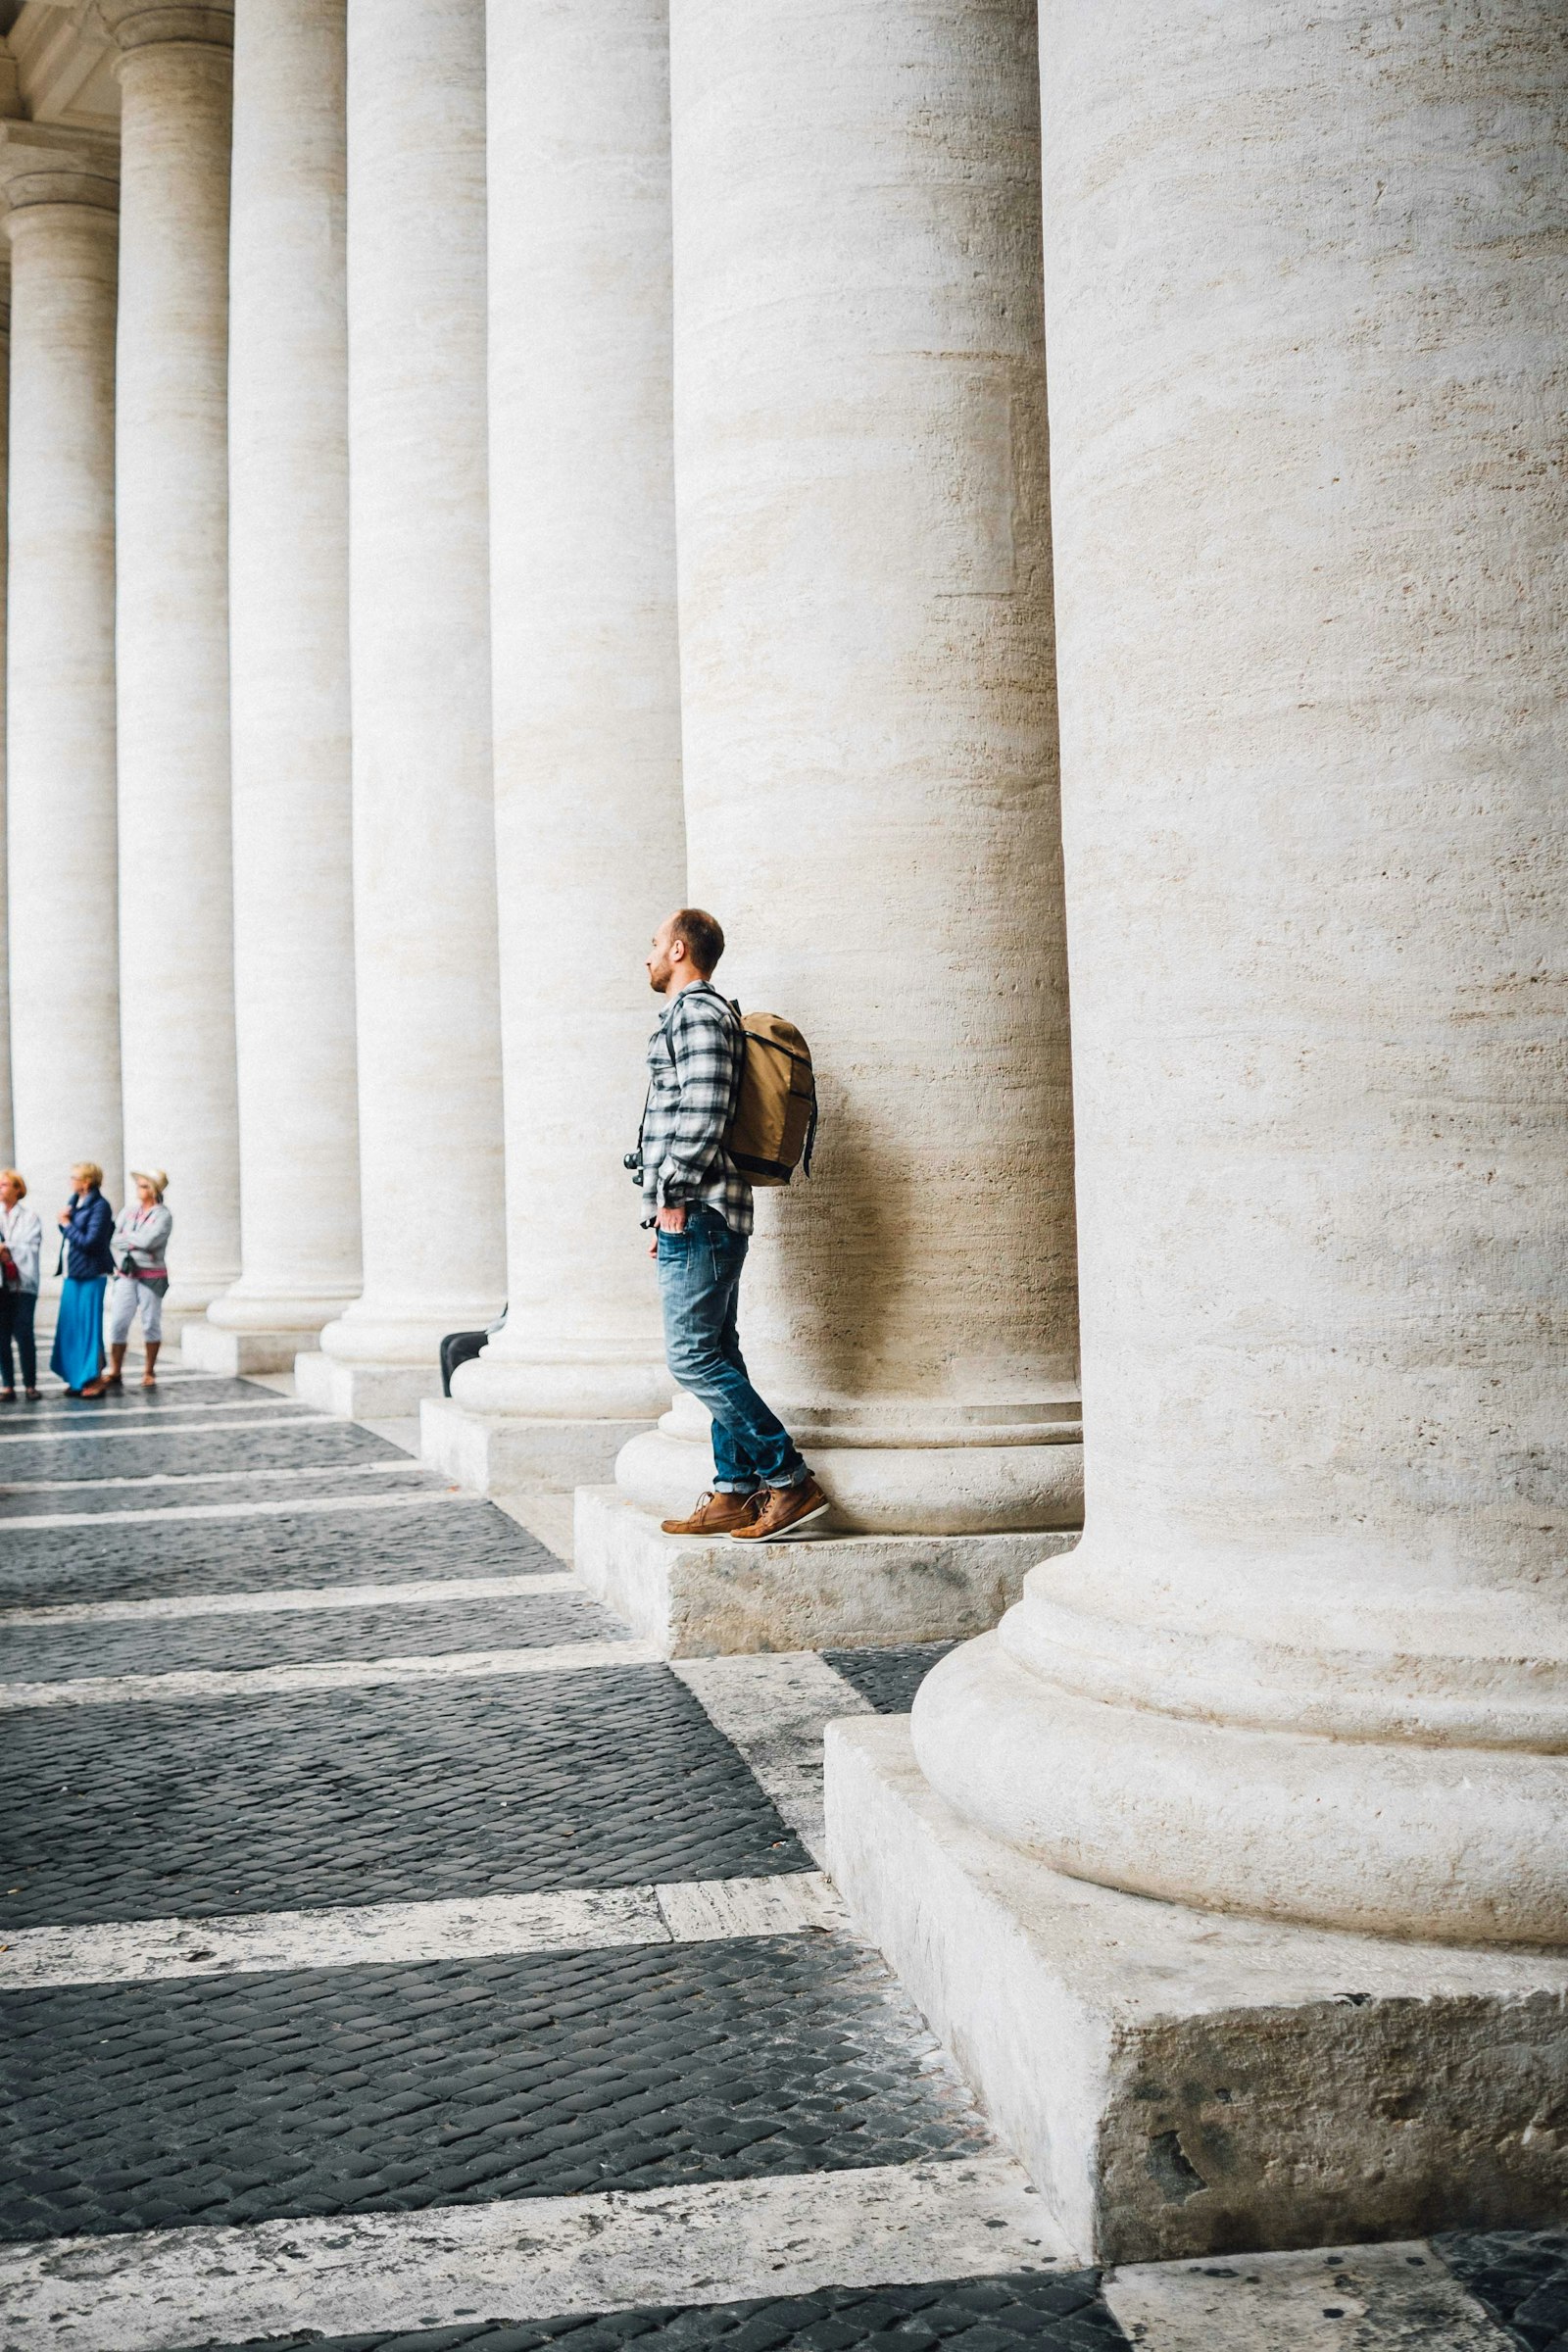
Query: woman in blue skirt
[[86, 1227]]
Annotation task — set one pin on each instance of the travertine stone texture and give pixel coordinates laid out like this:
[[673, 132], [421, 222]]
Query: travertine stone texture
[[64, 960], [424, 903], [1308, 282], [497, 1453], [1183, 2084], [706, 1600], [176, 932], [587, 687], [290, 687], [870, 722]]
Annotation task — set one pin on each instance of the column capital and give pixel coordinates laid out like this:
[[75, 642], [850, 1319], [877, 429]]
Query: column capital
[[41, 163], [147, 23]]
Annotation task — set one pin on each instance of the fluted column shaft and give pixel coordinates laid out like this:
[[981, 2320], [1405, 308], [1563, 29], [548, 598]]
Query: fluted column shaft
[[587, 690], [59, 687], [423, 817], [289, 686], [869, 731], [1311, 1656], [177, 934]]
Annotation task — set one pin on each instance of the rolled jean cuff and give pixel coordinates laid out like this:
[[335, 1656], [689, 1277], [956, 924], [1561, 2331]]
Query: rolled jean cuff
[[736, 1486], [791, 1478]]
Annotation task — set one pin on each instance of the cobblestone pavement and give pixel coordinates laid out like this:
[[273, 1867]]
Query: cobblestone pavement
[[498, 2005]]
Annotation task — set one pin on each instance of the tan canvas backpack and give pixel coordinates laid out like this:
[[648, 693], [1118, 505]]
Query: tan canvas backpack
[[774, 1123]]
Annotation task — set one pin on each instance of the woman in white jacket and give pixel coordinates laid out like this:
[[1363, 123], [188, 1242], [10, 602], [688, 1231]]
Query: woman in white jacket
[[20, 1247], [141, 1277]]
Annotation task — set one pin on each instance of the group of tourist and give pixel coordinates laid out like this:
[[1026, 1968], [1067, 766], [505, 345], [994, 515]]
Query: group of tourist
[[124, 1257]]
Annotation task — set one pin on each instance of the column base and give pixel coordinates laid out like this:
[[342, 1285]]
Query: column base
[[895, 1469], [1180, 2082], [182, 1316], [205, 1347], [496, 1453], [705, 1598], [364, 1392]]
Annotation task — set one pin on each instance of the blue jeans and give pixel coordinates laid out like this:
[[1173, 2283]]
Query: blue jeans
[[699, 1282]]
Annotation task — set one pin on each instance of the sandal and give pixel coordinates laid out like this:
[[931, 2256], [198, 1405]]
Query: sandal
[[7, 1396]]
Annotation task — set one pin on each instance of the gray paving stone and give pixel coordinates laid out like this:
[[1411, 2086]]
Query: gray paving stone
[[372, 2089], [55, 1406], [311, 1446], [172, 1645], [143, 1561], [888, 1678], [1520, 2276], [337, 1480], [1048, 2313], [403, 1792]]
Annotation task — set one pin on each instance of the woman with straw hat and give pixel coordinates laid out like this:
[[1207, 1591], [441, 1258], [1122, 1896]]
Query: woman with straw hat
[[86, 1223], [141, 1237]]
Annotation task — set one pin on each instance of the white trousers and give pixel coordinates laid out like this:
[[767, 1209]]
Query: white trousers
[[124, 1294]]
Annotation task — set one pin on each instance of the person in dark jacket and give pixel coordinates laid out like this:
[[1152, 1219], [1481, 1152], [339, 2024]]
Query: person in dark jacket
[[86, 1231]]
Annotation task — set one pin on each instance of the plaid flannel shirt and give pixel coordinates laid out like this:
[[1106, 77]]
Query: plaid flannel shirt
[[694, 1074]]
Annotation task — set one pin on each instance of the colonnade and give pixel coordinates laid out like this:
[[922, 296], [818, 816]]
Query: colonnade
[[637, 489]]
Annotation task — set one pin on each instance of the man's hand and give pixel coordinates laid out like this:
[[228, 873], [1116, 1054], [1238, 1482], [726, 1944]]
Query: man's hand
[[667, 1220]]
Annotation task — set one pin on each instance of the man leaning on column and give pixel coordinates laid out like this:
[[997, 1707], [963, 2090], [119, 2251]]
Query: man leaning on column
[[698, 1208]]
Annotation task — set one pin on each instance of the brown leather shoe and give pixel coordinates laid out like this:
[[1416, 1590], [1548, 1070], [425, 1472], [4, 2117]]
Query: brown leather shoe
[[715, 1515], [785, 1511]]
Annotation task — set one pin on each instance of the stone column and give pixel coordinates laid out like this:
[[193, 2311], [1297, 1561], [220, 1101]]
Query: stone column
[[1307, 282], [7, 1131], [869, 733], [289, 693], [587, 720], [60, 683], [424, 899], [176, 933]]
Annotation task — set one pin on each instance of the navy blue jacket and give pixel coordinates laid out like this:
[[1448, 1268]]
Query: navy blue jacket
[[90, 1236]]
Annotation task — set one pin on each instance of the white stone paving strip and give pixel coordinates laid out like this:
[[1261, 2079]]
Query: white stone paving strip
[[469, 1928], [304, 1597], [335, 1674], [103, 1428], [289, 1506], [773, 1710], [1350, 2299], [532, 2258], [264, 1473]]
